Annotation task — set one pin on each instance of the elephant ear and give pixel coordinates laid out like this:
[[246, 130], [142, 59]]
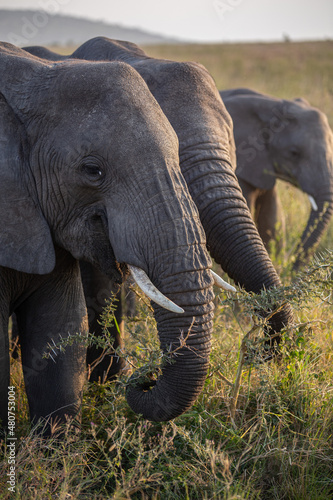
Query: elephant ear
[[257, 118], [25, 240]]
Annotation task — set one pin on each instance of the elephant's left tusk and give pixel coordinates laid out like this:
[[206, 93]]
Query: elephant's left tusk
[[221, 283], [151, 291], [313, 202]]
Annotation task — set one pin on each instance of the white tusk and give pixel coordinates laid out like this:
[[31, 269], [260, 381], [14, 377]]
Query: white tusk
[[313, 202], [221, 283], [151, 291]]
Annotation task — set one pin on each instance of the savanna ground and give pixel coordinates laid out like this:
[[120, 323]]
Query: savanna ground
[[258, 430]]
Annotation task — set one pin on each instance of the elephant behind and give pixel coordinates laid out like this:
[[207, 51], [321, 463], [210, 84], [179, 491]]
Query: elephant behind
[[288, 140], [89, 171]]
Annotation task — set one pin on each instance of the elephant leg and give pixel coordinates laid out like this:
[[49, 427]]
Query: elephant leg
[[54, 313], [97, 289], [270, 220], [15, 338], [250, 194]]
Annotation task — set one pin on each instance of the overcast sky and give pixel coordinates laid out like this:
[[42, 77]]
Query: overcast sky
[[203, 20]]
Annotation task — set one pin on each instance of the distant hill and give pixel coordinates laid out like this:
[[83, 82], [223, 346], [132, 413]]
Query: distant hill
[[40, 27]]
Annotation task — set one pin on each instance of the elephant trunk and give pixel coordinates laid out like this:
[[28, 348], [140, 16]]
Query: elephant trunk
[[185, 340], [232, 238], [315, 227], [165, 239]]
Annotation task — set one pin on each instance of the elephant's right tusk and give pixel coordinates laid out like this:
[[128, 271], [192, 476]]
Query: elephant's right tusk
[[151, 291], [313, 202], [221, 283]]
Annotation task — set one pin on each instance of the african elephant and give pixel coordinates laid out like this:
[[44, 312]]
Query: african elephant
[[90, 171], [190, 100], [288, 140]]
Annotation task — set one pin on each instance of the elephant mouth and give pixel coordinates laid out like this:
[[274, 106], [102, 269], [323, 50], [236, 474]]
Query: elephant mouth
[[119, 269], [98, 248], [283, 173]]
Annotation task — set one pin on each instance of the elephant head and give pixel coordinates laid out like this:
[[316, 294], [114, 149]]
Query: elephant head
[[93, 169], [288, 140], [188, 96]]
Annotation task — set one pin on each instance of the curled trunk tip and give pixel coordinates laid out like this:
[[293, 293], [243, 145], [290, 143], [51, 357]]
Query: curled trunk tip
[[184, 368]]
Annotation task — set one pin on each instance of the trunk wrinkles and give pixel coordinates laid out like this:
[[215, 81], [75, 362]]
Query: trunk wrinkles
[[315, 227]]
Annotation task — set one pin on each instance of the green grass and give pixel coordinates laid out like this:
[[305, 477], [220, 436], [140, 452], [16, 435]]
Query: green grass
[[278, 443]]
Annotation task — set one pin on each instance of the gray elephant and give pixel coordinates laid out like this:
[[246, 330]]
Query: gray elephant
[[90, 171], [188, 96], [288, 140]]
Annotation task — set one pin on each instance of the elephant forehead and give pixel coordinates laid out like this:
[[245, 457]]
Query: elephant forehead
[[80, 76], [309, 119], [134, 137], [306, 129], [106, 101], [84, 84]]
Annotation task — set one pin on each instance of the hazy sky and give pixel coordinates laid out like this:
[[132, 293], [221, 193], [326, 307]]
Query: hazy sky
[[203, 20]]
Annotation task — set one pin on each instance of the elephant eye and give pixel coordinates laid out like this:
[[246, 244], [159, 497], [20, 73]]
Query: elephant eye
[[92, 171], [294, 153]]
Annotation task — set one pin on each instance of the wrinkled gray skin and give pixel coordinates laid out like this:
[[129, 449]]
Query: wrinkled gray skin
[[79, 142], [288, 140], [188, 96]]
